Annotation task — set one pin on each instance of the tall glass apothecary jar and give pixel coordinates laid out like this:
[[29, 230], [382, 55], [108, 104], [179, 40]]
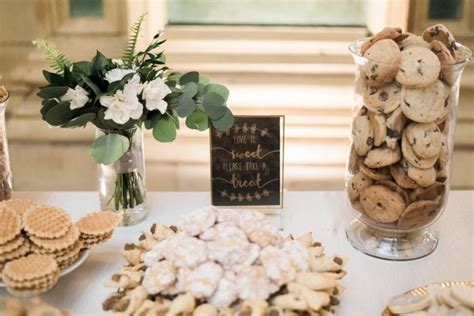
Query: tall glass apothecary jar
[[5, 171], [402, 137]]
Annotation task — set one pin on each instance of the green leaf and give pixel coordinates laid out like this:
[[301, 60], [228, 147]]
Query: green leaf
[[91, 85], [80, 121], [128, 55], [190, 89], [81, 68], [198, 120], [48, 105], [59, 114], [226, 122], [70, 79], [204, 80], [52, 92], [165, 130], [56, 59], [98, 64], [217, 88], [214, 105], [54, 79], [109, 148], [152, 119], [192, 76], [186, 105]]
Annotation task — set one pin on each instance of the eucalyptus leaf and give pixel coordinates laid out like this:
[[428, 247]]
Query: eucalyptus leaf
[[59, 114], [198, 120], [109, 148], [203, 79], [165, 130], [80, 121], [214, 105], [186, 105], [217, 88], [192, 76], [52, 92], [190, 89], [152, 119], [226, 122]]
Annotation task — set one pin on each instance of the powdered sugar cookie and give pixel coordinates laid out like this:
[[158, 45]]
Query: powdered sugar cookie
[[159, 276], [197, 222], [263, 234], [253, 283], [277, 266], [297, 253], [226, 292], [203, 280]]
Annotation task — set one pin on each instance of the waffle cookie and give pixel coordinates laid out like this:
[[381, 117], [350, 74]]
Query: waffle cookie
[[60, 243], [31, 275], [20, 206], [90, 241], [47, 222], [12, 245], [98, 223], [10, 225]]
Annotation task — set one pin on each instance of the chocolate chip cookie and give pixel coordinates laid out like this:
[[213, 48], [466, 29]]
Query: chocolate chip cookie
[[384, 99], [383, 62], [382, 204], [424, 105], [382, 157], [419, 67], [424, 138], [362, 135]]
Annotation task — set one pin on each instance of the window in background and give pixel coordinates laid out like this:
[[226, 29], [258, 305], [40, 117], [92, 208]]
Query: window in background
[[86, 8], [445, 10], [268, 12]]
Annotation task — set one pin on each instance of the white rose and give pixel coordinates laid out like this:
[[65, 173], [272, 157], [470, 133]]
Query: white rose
[[154, 92], [117, 74], [78, 97]]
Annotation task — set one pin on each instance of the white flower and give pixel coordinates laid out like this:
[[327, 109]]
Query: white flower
[[78, 97], [117, 74], [154, 92], [124, 104]]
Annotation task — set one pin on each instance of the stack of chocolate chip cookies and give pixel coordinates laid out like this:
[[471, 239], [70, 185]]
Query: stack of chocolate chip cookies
[[402, 132]]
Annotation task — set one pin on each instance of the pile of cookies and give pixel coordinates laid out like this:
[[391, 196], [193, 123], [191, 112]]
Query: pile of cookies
[[10, 306], [38, 241], [225, 262], [406, 93], [437, 300]]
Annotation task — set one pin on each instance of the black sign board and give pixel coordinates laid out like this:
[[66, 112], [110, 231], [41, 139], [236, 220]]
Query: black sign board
[[247, 163]]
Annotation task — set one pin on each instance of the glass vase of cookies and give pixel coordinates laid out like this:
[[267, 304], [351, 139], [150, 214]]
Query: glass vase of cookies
[[402, 137], [5, 171]]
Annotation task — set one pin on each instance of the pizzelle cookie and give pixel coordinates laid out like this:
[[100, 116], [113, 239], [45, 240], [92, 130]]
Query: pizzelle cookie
[[424, 105], [418, 214], [10, 225], [382, 204], [47, 222], [383, 99], [419, 67], [384, 59]]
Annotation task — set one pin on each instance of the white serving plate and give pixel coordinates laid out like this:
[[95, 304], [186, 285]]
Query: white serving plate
[[82, 257]]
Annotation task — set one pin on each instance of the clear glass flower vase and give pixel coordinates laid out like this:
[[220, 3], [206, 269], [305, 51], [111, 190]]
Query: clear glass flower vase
[[5, 171], [122, 183], [398, 170]]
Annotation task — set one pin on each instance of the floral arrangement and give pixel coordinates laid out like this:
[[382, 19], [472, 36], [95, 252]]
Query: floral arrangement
[[120, 95]]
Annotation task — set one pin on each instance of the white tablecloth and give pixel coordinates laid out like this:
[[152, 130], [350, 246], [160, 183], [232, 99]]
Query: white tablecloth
[[369, 284]]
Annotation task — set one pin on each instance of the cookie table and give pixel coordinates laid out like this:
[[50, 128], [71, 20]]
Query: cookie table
[[369, 283]]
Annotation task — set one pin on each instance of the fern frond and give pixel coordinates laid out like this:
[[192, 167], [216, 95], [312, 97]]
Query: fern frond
[[56, 59], [129, 52]]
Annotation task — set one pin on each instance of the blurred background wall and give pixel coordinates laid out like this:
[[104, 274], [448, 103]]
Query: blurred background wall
[[277, 57]]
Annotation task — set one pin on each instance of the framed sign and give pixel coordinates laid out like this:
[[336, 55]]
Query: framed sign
[[247, 163]]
